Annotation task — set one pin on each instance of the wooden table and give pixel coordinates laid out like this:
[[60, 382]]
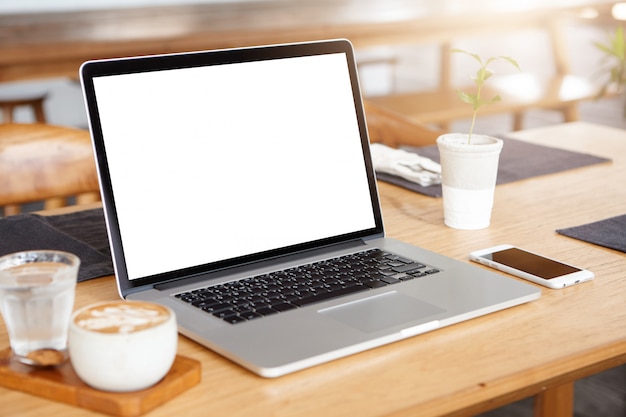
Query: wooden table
[[39, 45], [537, 348]]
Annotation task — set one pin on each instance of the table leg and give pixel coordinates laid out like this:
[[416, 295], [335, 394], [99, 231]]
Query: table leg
[[555, 402]]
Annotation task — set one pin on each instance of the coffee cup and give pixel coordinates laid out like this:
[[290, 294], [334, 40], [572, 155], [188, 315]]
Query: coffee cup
[[122, 346]]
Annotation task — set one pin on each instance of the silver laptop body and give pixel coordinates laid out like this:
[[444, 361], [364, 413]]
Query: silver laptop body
[[222, 166]]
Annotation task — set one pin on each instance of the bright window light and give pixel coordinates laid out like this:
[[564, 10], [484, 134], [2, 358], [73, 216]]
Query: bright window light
[[619, 11]]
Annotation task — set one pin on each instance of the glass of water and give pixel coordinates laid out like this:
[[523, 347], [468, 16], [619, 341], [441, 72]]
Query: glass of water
[[36, 300]]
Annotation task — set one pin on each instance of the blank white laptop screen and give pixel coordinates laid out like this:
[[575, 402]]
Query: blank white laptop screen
[[217, 162]]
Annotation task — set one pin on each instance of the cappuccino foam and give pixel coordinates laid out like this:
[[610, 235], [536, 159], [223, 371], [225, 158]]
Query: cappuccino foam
[[121, 317]]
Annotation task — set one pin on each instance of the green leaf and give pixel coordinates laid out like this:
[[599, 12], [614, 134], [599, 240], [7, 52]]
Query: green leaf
[[495, 99], [487, 73], [466, 98], [512, 62], [603, 48], [482, 74], [616, 47], [475, 56]]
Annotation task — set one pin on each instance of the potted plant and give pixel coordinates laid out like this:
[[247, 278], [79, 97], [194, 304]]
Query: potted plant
[[615, 60], [469, 162]]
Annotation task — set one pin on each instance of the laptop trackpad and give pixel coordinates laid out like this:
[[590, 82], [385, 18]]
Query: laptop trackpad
[[382, 311]]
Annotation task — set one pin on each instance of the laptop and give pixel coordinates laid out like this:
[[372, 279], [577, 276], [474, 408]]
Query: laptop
[[238, 190]]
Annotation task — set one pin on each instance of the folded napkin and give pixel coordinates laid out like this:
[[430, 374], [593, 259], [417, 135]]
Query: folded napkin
[[407, 165], [610, 233], [82, 233]]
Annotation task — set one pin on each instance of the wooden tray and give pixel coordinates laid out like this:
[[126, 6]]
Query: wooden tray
[[62, 384]]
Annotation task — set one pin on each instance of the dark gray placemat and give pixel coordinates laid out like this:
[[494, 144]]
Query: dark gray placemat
[[610, 233], [82, 233], [518, 160]]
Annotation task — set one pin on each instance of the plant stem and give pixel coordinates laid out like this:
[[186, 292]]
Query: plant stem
[[469, 137], [476, 106]]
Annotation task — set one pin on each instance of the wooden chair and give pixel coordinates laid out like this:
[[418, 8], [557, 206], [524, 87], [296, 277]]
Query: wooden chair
[[394, 129], [40, 162], [9, 102]]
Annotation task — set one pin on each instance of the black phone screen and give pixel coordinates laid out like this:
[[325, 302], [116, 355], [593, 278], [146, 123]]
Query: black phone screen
[[533, 264]]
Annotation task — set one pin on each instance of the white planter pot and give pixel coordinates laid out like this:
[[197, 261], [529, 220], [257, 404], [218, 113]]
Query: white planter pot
[[468, 178]]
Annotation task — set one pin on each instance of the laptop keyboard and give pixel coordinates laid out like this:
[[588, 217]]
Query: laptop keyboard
[[275, 292]]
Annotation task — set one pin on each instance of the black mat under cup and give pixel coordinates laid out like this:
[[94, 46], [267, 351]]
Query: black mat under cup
[[518, 160], [82, 233]]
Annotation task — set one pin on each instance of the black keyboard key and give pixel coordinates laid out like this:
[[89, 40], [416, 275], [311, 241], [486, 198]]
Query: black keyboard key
[[224, 313], [202, 302], [257, 299], [233, 319], [289, 298], [215, 307], [391, 280], [399, 258], [375, 284], [409, 267], [334, 287], [328, 295], [402, 276], [266, 311], [283, 306], [250, 315]]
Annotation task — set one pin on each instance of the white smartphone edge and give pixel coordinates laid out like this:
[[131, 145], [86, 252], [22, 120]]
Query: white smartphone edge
[[582, 275]]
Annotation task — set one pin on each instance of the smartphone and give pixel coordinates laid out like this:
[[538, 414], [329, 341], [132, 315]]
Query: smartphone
[[530, 266]]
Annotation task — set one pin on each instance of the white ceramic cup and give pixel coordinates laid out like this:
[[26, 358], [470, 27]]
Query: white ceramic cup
[[469, 173], [122, 346]]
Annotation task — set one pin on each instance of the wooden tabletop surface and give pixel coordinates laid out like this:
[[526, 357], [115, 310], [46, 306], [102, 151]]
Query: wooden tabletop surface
[[535, 348]]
